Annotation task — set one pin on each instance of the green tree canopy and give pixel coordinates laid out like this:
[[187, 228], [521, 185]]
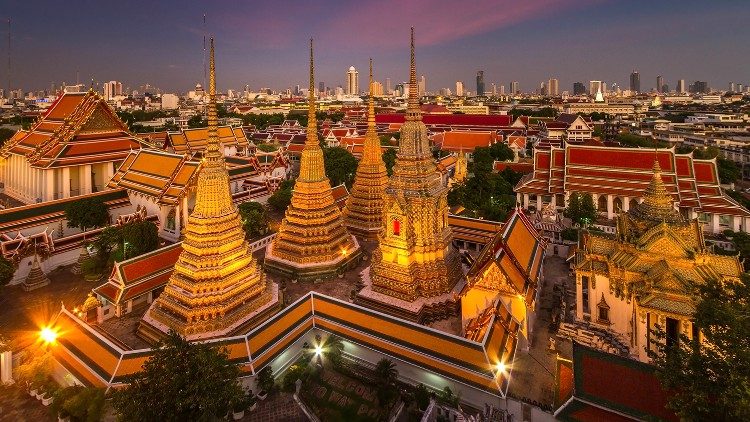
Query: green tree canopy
[[7, 269], [581, 208], [710, 380], [254, 219], [389, 158], [138, 238], [340, 166], [500, 151], [86, 213], [482, 161], [281, 199], [5, 134], [181, 381]]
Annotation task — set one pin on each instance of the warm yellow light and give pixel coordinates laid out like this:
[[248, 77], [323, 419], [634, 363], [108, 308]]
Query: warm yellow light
[[48, 335], [343, 252], [500, 367], [318, 350]]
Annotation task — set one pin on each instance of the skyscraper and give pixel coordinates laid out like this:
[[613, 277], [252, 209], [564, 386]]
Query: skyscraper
[[594, 87], [514, 88], [579, 88], [112, 89], [494, 89], [552, 87], [681, 86], [480, 83], [659, 83], [422, 85], [459, 89], [321, 87], [388, 89], [352, 81], [731, 87], [700, 87], [635, 81], [502, 89]]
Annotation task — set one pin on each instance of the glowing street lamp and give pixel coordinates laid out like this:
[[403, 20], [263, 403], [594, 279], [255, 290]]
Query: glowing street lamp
[[500, 367], [318, 350], [48, 335]]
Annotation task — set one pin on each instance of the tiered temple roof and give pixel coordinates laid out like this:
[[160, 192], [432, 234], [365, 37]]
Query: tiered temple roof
[[415, 258], [163, 176], [217, 287], [312, 241], [625, 172], [364, 207], [76, 129], [193, 141]]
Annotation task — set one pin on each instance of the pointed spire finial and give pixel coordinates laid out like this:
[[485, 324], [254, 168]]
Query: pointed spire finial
[[212, 144], [413, 105], [312, 120]]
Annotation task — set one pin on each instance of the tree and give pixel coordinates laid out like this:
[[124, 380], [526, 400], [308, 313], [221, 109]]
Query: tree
[[482, 161], [386, 375], [254, 218], [588, 209], [333, 349], [340, 166], [7, 269], [181, 381], [280, 199], [728, 171], [5, 134], [457, 194], [710, 379], [138, 238], [267, 147], [197, 121], [501, 152], [389, 158], [86, 213]]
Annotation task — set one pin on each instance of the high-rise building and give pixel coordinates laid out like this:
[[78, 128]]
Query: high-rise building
[[459, 89], [352, 81], [542, 88], [502, 89], [422, 86], [635, 82], [480, 83], [377, 89], [112, 89], [681, 86], [388, 89], [659, 83], [552, 87], [700, 87], [579, 88], [415, 264], [731, 87], [321, 87], [665, 88], [169, 101], [514, 88]]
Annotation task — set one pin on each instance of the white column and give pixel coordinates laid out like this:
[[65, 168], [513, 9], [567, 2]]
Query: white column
[[526, 201], [65, 182], [108, 173], [6, 368], [625, 204], [610, 207], [538, 202], [49, 184], [554, 201], [185, 211], [86, 189], [714, 223], [736, 223]]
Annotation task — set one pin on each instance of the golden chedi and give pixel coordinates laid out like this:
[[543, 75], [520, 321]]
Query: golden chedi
[[312, 242], [364, 207], [217, 288], [415, 262]]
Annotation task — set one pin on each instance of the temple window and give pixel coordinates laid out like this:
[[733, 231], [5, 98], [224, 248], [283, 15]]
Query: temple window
[[171, 220], [673, 332], [724, 220], [396, 227], [603, 311]]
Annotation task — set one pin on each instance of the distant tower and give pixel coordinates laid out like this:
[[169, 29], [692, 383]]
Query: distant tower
[[579, 88], [681, 86], [659, 83], [388, 89], [459, 89], [415, 264], [552, 87], [422, 86], [321, 87], [312, 241], [364, 207], [731, 87], [480, 83], [514, 88], [635, 82], [352, 81]]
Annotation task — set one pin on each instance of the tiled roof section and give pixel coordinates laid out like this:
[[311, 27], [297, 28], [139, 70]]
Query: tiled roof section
[[14, 218], [518, 251], [340, 194], [637, 394], [193, 141], [473, 229], [626, 172], [451, 119], [77, 129], [163, 176], [464, 140], [139, 275]]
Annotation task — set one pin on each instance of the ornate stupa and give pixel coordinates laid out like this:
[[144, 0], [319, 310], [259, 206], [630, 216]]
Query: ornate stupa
[[312, 242], [415, 269], [217, 288], [36, 277], [364, 207], [462, 168]]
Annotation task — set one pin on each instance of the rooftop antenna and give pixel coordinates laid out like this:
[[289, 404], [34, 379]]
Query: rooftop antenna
[[9, 96]]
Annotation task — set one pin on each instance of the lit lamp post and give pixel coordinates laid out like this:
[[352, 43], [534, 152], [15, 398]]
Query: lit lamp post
[[48, 336], [125, 250]]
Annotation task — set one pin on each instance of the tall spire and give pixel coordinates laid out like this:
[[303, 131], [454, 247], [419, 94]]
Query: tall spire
[[412, 110], [371, 152], [657, 203], [312, 121], [213, 156]]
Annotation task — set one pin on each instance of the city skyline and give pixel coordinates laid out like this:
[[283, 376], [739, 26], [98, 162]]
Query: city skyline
[[263, 44]]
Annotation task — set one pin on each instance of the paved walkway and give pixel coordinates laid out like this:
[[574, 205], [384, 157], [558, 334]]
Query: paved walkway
[[17, 405], [279, 407]]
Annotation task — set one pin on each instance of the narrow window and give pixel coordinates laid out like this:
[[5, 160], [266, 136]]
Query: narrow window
[[396, 228]]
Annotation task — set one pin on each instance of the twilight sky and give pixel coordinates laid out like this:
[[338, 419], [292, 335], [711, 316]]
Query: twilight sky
[[263, 43]]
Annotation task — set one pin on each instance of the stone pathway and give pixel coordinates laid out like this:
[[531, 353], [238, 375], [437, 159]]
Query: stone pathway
[[279, 407], [17, 405]]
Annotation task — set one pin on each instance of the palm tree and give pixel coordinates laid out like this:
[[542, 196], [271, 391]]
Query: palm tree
[[385, 372], [333, 349]]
